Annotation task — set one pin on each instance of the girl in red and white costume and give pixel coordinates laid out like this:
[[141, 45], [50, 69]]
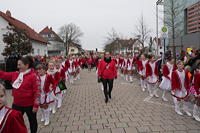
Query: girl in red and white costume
[[47, 84], [152, 76], [121, 60], [58, 92], [125, 67], [167, 70], [71, 69], [56, 76], [77, 67], [142, 70], [130, 68], [180, 88], [11, 121], [197, 88]]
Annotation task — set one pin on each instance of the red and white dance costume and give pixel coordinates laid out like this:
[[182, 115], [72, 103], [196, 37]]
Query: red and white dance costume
[[125, 68], [142, 72], [197, 88], [71, 65], [180, 90], [47, 84], [55, 93], [165, 84], [121, 60], [77, 68], [11, 121], [152, 78], [130, 69]]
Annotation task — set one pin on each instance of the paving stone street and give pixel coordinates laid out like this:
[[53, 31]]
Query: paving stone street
[[129, 111]]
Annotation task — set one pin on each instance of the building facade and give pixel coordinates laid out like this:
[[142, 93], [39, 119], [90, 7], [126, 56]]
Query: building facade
[[39, 44], [56, 45], [186, 21]]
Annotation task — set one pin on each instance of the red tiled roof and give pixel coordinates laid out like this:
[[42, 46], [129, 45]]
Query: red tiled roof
[[127, 42], [48, 30], [20, 25]]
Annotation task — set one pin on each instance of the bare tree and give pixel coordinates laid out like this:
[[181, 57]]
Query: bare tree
[[70, 33], [172, 20], [111, 44], [150, 44], [142, 30]]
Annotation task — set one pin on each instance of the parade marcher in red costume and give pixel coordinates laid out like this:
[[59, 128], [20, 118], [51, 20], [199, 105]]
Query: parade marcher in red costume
[[130, 68], [152, 76], [197, 88], [56, 76], [167, 70], [11, 121], [141, 63], [47, 84], [107, 71], [26, 90], [125, 67], [180, 88]]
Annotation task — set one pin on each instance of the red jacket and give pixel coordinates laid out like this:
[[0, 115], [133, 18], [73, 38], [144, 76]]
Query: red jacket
[[56, 77], [197, 82], [13, 122], [149, 71], [121, 60], [140, 66], [107, 70], [49, 80], [166, 71], [176, 81], [28, 94], [89, 61]]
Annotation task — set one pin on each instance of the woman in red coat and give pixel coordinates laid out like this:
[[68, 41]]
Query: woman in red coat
[[107, 72], [26, 90], [11, 121], [180, 88], [197, 88]]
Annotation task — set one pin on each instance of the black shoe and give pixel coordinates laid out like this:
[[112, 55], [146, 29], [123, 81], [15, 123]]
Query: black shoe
[[106, 100], [109, 95]]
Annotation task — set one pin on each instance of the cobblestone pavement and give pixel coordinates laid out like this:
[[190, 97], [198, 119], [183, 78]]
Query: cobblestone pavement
[[129, 111]]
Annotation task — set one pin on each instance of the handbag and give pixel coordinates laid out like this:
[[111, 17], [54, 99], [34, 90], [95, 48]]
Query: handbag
[[62, 85]]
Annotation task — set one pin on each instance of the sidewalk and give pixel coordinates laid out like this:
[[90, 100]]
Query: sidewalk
[[129, 111]]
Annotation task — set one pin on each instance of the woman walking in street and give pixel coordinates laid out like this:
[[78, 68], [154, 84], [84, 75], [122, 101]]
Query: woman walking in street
[[26, 90], [107, 72]]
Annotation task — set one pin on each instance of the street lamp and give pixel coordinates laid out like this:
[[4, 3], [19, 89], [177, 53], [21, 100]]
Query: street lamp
[[159, 2]]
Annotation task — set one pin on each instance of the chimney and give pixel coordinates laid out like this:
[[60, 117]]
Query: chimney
[[50, 28], [8, 13]]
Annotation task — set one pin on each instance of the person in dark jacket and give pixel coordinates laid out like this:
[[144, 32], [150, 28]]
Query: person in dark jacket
[[107, 72]]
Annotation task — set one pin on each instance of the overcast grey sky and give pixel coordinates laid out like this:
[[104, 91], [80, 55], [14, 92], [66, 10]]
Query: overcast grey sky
[[95, 17]]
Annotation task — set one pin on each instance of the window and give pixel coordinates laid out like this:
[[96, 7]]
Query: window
[[38, 51], [72, 50]]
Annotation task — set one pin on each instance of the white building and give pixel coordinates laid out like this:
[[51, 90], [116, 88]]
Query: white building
[[56, 44], [39, 44], [75, 48], [158, 46]]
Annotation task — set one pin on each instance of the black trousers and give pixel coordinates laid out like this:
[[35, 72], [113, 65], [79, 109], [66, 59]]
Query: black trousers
[[107, 83], [32, 117]]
